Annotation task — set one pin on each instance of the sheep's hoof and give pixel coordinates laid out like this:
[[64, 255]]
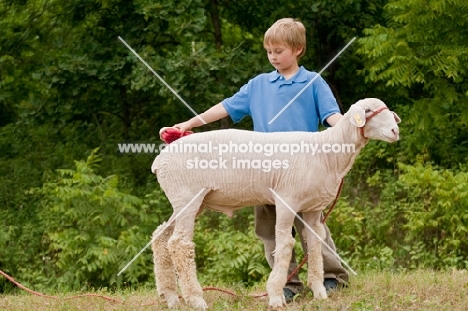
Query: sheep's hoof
[[173, 301], [320, 293], [277, 302], [197, 303]]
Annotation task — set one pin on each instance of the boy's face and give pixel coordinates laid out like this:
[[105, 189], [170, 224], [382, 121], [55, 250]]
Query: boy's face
[[281, 56]]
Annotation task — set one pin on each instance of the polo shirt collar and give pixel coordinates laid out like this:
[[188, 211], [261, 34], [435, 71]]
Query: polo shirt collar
[[300, 76]]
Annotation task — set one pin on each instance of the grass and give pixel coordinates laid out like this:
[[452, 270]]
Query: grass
[[416, 290]]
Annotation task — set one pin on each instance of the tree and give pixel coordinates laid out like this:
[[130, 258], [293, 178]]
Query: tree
[[422, 49]]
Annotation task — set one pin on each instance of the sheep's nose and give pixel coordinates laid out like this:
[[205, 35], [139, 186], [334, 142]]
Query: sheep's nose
[[396, 131]]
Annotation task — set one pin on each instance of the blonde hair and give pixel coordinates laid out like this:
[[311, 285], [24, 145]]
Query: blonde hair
[[288, 31]]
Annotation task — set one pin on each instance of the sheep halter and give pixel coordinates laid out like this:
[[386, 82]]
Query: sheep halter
[[334, 202], [361, 129]]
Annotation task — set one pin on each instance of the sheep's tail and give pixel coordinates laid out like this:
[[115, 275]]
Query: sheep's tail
[[170, 134]]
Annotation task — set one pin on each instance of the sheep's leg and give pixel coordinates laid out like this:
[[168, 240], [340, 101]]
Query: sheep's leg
[[283, 251], [166, 280], [315, 259], [182, 251]]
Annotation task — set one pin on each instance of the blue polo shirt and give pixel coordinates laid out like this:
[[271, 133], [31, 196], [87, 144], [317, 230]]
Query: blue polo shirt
[[267, 94]]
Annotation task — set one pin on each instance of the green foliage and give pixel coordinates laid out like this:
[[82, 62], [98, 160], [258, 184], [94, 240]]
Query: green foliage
[[87, 230], [69, 86], [437, 216], [227, 249], [420, 219], [86, 216], [422, 48]]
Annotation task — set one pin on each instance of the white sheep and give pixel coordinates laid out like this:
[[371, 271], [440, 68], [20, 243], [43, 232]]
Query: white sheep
[[306, 182]]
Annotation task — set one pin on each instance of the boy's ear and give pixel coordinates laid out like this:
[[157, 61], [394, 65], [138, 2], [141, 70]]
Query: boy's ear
[[299, 51]]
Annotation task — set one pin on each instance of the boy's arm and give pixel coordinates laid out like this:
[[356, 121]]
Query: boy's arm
[[213, 114], [334, 118]]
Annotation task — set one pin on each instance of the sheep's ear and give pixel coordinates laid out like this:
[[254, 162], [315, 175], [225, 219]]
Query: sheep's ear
[[397, 118], [357, 116]]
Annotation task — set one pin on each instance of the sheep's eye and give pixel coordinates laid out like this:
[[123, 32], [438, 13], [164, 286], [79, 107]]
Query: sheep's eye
[[367, 110]]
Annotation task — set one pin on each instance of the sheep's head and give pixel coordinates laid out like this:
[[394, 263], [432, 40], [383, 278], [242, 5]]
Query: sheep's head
[[375, 120]]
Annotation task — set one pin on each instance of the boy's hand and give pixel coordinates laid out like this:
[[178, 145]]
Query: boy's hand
[[170, 134], [184, 126], [213, 114]]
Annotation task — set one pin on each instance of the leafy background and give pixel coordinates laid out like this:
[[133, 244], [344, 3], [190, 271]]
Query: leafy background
[[74, 210]]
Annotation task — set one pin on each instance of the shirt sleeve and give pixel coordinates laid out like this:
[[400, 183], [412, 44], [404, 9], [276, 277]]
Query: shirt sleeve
[[326, 102], [238, 106]]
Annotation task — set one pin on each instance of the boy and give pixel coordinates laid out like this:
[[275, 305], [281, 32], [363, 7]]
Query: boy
[[263, 98]]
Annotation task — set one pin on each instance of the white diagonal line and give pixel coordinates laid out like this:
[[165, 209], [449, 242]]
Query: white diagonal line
[[162, 80], [161, 231], [312, 230], [313, 79]]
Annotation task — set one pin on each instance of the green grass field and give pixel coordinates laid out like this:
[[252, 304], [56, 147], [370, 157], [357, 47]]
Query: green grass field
[[417, 290]]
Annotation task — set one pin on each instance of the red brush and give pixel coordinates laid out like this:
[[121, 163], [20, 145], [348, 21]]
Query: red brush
[[170, 134]]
